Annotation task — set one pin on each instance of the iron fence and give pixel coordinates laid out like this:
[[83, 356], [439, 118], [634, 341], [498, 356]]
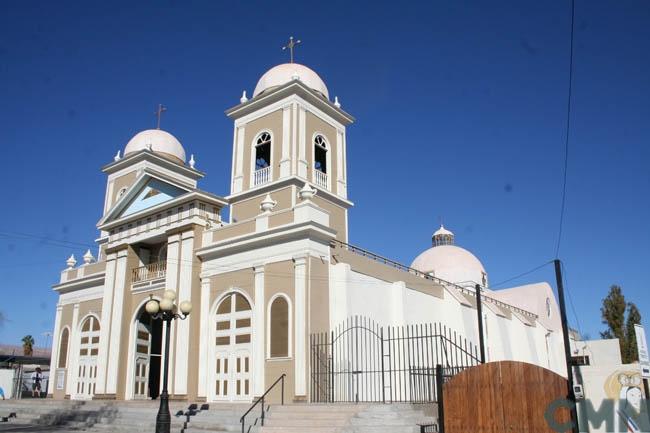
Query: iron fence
[[360, 361]]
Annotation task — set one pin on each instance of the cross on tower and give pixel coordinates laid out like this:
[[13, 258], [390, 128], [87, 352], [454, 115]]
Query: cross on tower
[[291, 46], [159, 113]]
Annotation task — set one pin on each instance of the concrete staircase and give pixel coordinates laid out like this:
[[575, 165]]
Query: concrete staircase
[[118, 417], [140, 416], [348, 418]]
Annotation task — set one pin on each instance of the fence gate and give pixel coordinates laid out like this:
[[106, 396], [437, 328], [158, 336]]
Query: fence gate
[[505, 396], [360, 361]]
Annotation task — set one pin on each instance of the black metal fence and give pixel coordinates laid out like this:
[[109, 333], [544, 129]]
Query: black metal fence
[[360, 361]]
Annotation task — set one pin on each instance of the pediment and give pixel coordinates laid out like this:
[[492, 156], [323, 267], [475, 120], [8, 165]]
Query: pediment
[[152, 193], [148, 191]]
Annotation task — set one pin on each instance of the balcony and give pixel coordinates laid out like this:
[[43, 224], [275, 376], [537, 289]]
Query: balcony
[[152, 271], [320, 178], [262, 176]]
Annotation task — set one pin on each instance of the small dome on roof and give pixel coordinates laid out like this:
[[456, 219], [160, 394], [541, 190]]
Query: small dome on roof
[[287, 72], [158, 141], [449, 262]]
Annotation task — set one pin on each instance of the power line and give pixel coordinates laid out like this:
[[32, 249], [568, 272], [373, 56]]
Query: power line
[[568, 130], [492, 286]]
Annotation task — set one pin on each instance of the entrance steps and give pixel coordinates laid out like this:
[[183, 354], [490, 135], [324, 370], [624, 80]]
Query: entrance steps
[[140, 416], [348, 418], [121, 416]]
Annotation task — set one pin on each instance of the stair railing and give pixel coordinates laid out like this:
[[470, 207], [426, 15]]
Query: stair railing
[[242, 420]]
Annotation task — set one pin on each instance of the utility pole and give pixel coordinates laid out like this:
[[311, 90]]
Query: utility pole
[[479, 312], [567, 348]]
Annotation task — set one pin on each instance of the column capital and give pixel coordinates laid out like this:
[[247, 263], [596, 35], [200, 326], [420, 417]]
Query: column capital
[[299, 260], [258, 268]]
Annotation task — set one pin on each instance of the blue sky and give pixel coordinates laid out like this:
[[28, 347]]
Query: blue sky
[[460, 111]]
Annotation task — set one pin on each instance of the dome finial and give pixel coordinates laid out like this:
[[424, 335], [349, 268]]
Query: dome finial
[[291, 45], [442, 236]]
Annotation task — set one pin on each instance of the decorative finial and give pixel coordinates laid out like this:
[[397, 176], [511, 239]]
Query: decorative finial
[[337, 104], [291, 45], [159, 113], [71, 261], [243, 97], [192, 161], [118, 155], [268, 204], [150, 147], [307, 192], [88, 257]]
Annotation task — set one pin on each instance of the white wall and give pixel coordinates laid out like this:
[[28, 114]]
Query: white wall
[[600, 352], [7, 381], [395, 304]]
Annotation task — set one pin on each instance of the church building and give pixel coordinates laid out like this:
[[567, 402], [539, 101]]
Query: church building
[[269, 281]]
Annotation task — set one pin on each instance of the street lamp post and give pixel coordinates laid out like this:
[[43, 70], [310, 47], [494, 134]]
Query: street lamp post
[[167, 311]]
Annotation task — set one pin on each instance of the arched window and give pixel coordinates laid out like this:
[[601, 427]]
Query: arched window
[[320, 154], [63, 348], [279, 347], [320, 161], [262, 173]]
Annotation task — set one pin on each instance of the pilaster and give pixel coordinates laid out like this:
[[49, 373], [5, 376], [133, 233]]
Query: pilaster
[[238, 179], [285, 161], [302, 151], [204, 336], [185, 266], [259, 353], [54, 361], [300, 275], [116, 323], [74, 351], [105, 323]]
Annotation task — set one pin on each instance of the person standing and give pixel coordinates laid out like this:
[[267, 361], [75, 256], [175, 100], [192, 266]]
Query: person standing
[[37, 378]]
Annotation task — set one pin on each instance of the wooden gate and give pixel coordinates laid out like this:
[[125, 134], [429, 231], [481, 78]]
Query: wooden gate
[[504, 396]]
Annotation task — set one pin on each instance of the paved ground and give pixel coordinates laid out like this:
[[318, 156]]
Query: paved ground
[[22, 428]]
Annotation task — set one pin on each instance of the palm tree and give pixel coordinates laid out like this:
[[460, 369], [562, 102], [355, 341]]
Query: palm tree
[[28, 345]]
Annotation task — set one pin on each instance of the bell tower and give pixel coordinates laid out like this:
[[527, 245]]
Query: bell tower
[[288, 134]]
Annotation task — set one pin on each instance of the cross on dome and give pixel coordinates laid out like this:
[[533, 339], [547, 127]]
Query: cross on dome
[[158, 113], [291, 45]]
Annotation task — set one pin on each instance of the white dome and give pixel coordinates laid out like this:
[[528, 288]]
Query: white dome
[[282, 74], [453, 264], [159, 141]]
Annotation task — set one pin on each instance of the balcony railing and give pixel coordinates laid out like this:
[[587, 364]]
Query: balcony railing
[[148, 272], [320, 178], [262, 176]]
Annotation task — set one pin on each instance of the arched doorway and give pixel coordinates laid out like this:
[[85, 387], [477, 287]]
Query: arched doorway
[[88, 351], [147, 356], [232, 360]]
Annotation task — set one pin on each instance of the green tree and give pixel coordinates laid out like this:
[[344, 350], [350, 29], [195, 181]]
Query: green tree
[[28, 345], [633, 318], [619, 324]]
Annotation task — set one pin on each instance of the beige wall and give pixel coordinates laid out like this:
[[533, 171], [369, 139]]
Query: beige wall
[[125, 180], [250, 207], [318, 289], [273, 123], [279, 278], [338, 220], [66, 320]]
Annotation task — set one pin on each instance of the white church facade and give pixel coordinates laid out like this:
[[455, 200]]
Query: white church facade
[[279, 271]]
